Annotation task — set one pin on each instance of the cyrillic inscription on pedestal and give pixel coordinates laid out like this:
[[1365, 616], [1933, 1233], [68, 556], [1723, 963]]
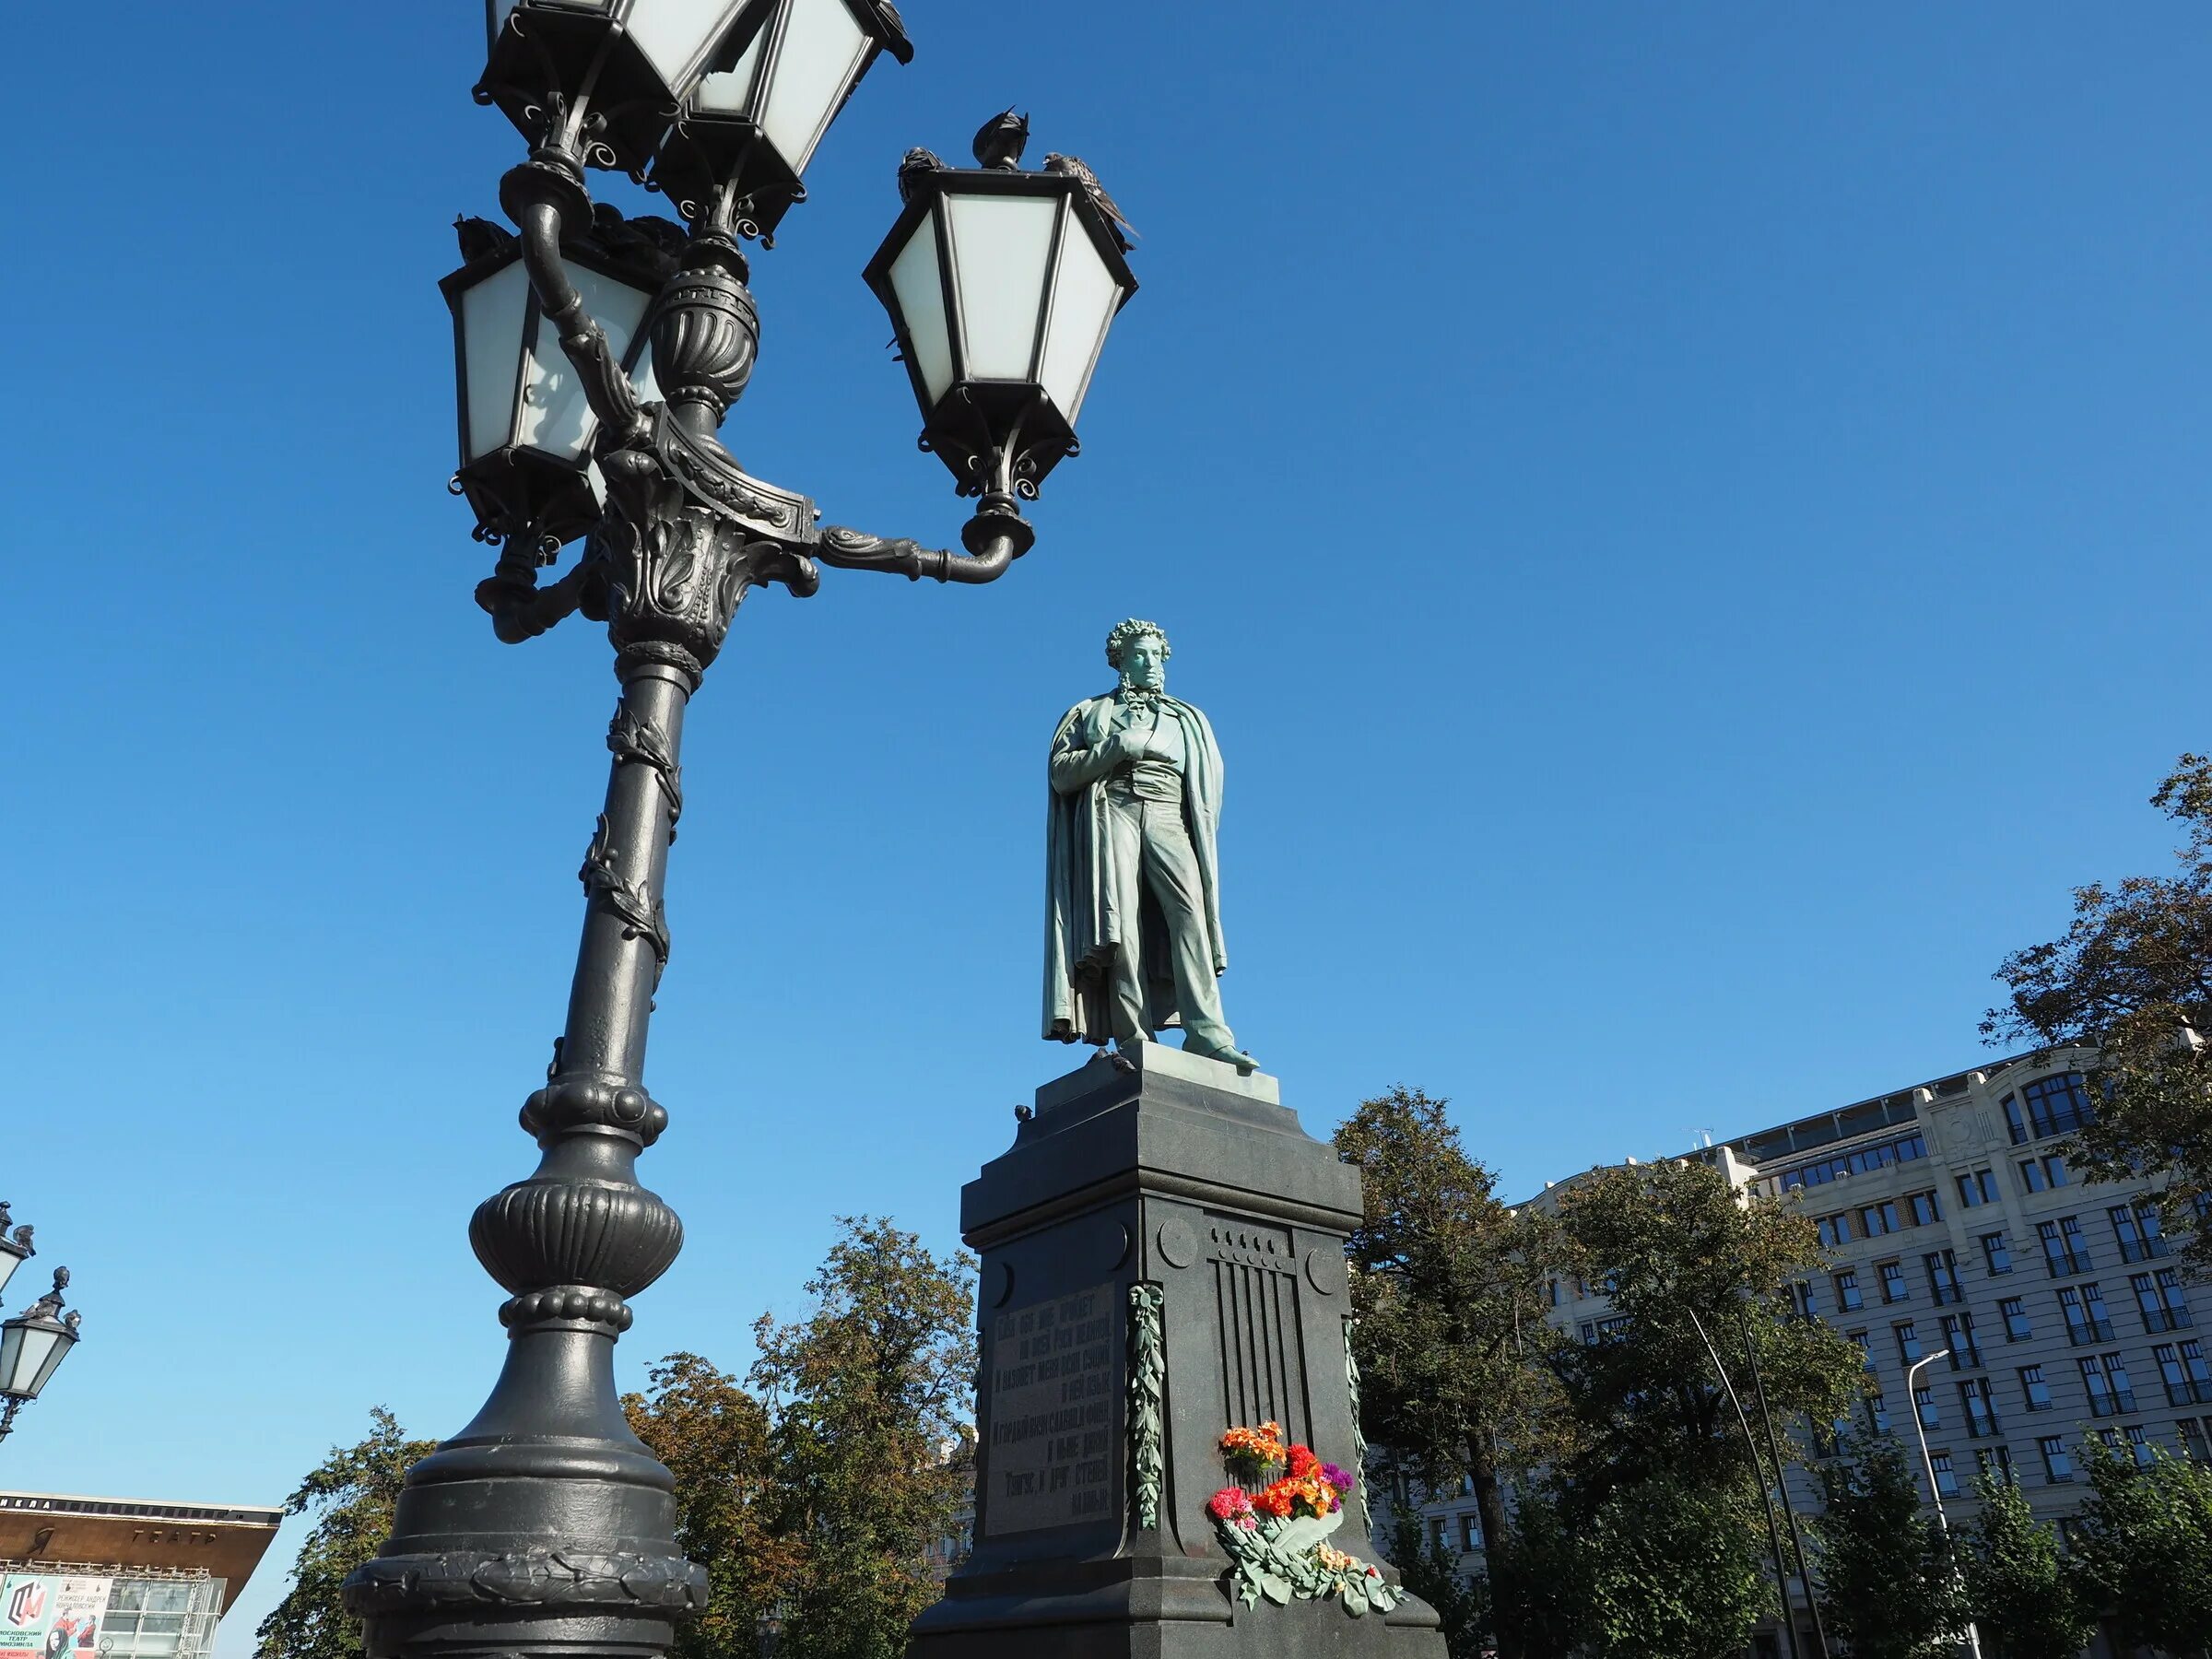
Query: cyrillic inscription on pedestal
[[1051, 1460]]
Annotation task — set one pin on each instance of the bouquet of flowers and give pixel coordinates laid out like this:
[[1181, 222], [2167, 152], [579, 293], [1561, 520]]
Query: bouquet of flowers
[[1275, 1537]]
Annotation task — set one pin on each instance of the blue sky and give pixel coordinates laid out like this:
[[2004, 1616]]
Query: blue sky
[[1689, 522]]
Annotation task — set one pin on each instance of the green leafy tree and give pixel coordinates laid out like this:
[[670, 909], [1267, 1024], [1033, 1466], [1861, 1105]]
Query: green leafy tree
[[1551, 1567], [1887, 1584], [1447, 1286], [1686, 1260], [2023, 1598], [717, 1440], [1673, 1572], [869, 1392], [351, 1494], [1431, 1572], [2143, 1549], [1680, 1248], [2132, 977]]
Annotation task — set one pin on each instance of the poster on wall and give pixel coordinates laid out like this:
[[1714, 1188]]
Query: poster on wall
[[42, 1617]]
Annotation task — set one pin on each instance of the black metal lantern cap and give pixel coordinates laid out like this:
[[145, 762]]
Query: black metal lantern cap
[[611, 70], [744, 135], [1001, 285]]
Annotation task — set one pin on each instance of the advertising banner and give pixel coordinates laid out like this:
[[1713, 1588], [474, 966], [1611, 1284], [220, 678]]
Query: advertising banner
[[42, 1617]]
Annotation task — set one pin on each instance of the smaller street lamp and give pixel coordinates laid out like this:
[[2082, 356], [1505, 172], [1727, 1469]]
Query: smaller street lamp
[[15, 1251], [744, 135], [600, 76], [526, 418], [1001, 285], [32, 1346]]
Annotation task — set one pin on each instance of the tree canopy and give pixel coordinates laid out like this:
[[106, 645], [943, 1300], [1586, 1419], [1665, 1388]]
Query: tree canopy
[[2132, 977], [351, 1494], [1447, 1285]]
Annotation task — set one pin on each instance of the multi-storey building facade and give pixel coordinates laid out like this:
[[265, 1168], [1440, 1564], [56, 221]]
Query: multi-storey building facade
[[1954, 1223]]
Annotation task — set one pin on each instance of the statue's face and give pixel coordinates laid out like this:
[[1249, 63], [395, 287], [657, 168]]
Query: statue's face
[[1145, 663]]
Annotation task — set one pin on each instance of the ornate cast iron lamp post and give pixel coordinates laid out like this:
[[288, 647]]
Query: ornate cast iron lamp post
[[596, 358], [35, 1342]]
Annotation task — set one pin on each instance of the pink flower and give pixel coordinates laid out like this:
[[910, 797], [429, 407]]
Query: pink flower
[[1229, 1504], [1249, 1522]]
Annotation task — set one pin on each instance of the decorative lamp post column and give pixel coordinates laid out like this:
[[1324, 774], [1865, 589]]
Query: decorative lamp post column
[[545, 1527], [32, 1346]]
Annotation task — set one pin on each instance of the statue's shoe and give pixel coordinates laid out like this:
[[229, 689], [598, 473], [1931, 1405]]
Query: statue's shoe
[[1228, 1056]]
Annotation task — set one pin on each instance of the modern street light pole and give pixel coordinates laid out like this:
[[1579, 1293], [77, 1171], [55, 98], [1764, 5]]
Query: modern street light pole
[[596, 358], [1927, 1461]]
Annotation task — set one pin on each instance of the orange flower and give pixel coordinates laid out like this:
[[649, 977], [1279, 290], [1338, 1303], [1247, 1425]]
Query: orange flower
[[1274, 1500], [1303, 1461]]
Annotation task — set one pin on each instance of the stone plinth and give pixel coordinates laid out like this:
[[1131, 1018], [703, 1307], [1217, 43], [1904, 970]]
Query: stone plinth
[[1179, 1198]]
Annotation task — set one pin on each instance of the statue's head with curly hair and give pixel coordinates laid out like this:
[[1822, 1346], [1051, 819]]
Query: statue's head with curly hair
[[1138, 649]]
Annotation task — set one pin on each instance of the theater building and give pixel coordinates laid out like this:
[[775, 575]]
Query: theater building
[[121, 1578]]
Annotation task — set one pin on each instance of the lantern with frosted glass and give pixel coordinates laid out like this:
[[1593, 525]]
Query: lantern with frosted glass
[[744, 134], [14, 1250], [1001, 287], [32, 1346], [616, 67], [526, 425]]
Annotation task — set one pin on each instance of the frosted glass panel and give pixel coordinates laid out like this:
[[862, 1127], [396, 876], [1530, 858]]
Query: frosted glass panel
[[1083, 300], [999, 248], [492, 335], [555, 416], [916, 283], [730, 91], [673, 34], [821, 52]]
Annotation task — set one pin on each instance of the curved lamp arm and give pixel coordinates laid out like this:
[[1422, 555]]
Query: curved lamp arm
[[994, 538], [539, 196]]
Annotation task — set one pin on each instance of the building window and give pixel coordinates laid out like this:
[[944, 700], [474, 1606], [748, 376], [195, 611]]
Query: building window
[[1835, 1230], [1947, 1482], [2105, 1378], [1901, 1148], [2157, 1316], [2017, 1328], [1924, 1210], [2058, 1468], [2057, 1105], [1908, 1341], [2041, 1175], [1997, 1252], [1878, 1412], [2087, 1319], [1847, 1292], [1959, 1334], [2138, 1445], [1551, 1293], [2136, 1228], [2015, 1124], [2034, 1390], [1470, 1533], [1981, 1410], [1802, 1300], [1436, 1532], [1924, 1403], [1943, 1276], [1876, 1220], [1996, 1464], [1894, 1288], [2194, 1441], [2170, 1294], [1978, 1188], [2064, 1250], [2183, 1371]]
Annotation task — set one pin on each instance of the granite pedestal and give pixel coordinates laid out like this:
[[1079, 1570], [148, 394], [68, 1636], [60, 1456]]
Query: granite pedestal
[[1162, 1254]]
